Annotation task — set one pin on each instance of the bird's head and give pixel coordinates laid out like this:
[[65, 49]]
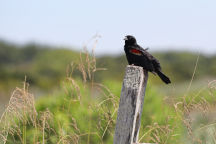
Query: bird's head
[[130, 40]]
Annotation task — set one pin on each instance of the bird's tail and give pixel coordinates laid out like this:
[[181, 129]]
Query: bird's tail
[[163, 77]]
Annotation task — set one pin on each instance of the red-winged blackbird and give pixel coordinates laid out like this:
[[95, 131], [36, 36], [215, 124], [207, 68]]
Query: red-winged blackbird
[[138, 56]]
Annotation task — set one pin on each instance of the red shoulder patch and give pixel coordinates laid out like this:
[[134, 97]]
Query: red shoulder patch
[[136, 52]]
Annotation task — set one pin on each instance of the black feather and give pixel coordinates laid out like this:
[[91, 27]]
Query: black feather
[[140, 57]]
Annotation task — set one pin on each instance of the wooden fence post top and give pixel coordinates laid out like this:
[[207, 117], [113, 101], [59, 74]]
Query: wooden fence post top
[[130, 105], [133, 75]]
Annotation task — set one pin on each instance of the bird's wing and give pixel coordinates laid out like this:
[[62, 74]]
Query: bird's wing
[[153, 60], [137, 50]]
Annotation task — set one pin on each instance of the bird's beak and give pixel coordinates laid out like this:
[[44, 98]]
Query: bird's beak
[[125, 38]]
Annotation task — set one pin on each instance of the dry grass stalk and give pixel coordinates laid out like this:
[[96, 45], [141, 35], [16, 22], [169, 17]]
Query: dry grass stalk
[[19, 112]]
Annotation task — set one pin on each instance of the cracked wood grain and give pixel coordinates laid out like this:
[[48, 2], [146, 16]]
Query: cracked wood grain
[[130, 105]]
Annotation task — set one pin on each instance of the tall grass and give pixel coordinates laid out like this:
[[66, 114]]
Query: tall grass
[[19, 112]]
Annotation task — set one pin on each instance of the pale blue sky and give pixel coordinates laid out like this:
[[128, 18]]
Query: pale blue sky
[[158, 24]]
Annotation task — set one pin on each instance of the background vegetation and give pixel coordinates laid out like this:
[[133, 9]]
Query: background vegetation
[[40, 62], [77, 98]]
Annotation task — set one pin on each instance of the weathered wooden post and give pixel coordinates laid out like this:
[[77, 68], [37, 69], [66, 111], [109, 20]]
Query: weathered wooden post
[[131, 105]]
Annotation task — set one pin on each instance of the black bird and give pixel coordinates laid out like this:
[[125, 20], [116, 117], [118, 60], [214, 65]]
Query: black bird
[[138, 56]]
